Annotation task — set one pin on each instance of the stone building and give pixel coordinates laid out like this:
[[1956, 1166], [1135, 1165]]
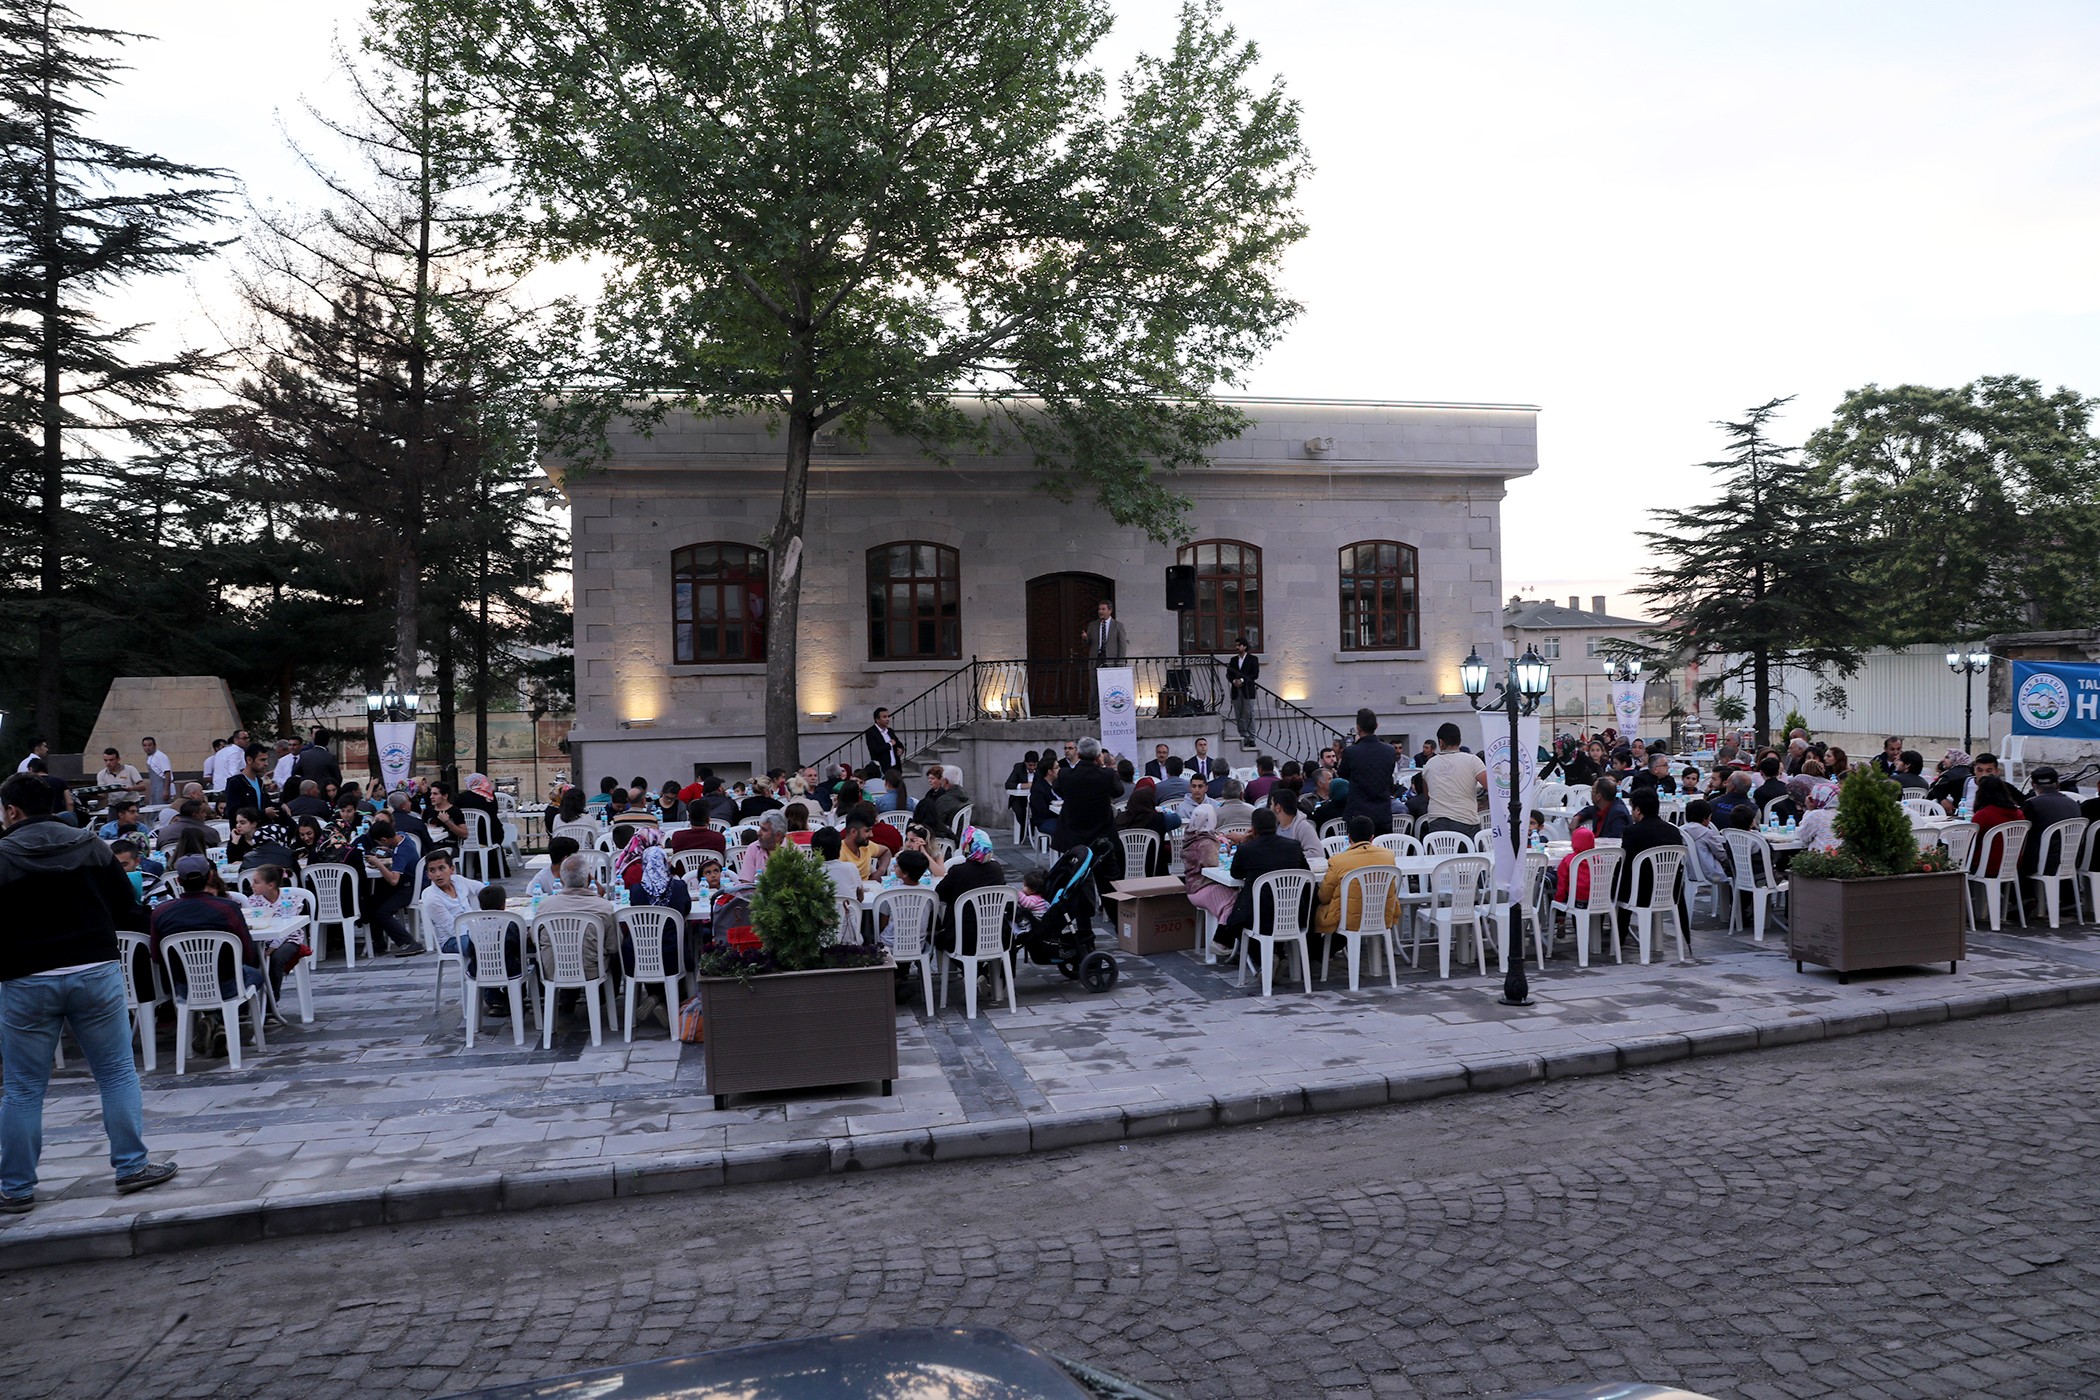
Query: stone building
[[1356, 545], [1574, 640]]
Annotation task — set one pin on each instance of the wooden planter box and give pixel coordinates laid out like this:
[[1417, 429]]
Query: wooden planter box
[[798, 1030], [1886, 921]]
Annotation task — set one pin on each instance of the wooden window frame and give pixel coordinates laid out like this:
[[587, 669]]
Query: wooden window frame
[[947, 586], [1352, 595], [686, 622], [1244, 620]]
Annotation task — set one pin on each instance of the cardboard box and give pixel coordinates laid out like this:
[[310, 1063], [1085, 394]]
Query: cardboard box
[[1154, 916]]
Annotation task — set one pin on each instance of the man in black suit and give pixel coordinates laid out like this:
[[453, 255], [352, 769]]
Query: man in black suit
[[317, 763], [1367, 764], [886, 751], [1089, 790], [1240, 675], [1263, 851], [1157, 768], [1202, 765], [1647, 831]]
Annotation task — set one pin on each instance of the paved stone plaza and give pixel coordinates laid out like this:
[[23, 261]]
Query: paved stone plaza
[[378, 1112], [1898, 1215]]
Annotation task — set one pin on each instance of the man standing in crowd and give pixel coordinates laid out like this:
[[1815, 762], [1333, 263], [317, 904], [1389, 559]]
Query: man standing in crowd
[[40, 750], [160, 772], [886, 751], [227, 761], [1455, 780], [1367, 764], [1106, 643], [287, 760], [317, 764], [118, 776], [58, 969], [245, 787]]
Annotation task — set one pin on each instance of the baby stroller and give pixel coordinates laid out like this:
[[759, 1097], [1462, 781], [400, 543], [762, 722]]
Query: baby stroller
[[1062, 936]]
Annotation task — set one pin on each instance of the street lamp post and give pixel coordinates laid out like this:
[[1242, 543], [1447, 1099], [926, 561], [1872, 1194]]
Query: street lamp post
[[1966, 664], [1528, 681]]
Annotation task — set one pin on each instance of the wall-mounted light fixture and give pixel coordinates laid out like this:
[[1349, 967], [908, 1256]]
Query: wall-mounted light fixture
[[638, 724], [822, 716]]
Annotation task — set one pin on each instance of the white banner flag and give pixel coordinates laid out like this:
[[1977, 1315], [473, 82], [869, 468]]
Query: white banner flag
[[1626, 698], [396, 740], [1118, 687], [1494, 751]]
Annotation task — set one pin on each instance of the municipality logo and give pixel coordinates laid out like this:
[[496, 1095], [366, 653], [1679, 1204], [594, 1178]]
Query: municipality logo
[[1118, 699], [2044, 701]]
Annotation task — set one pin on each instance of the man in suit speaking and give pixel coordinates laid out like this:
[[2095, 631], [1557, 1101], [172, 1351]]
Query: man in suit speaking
[[1105, 642], [886, 751]]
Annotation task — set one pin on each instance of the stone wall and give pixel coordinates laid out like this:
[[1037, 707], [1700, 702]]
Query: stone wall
[[182, 713]]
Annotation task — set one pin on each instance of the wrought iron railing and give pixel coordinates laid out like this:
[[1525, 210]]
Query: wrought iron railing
[[1286, 729], [920, 721], [1170, 687]]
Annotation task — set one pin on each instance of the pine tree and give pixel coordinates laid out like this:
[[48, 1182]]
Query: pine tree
[[81, 220], [1763, 576], [794, 910]]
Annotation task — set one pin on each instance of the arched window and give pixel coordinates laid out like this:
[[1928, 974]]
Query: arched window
[[718, 604], [1381, 597], [1228, 596], [914, 602]]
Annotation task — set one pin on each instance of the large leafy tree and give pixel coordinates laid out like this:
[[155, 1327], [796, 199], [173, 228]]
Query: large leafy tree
[[1979, 506], [1761, 577], [379, 450], [81, 220], [930, 215]]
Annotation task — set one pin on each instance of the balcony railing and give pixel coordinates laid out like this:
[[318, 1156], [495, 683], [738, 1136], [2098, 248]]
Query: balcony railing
[[1167, 687]]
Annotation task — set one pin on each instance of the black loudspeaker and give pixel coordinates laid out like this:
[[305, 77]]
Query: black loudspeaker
[[1181, 587]]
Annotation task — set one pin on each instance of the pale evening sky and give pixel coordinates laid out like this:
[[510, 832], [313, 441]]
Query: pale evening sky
[[1641, 217]]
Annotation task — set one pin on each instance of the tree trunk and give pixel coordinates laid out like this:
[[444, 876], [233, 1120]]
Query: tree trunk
[[284, 698], [408, 600], [50, 650], [1761, 695], [784, 597], [481, 642], [448, 707]]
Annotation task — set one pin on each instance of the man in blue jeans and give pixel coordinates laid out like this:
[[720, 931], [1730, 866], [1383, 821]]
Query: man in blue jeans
[[63, 896]]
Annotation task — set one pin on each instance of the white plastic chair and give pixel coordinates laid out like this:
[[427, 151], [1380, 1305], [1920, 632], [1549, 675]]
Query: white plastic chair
[[1764, 815], [1602, 865], [477, 849], [302, 971], [142, 1008], [1368, 887], [1664, 866], [2008, 839], [900, 820], [965, 817], [2086, 885], [990, 913], [564, 935], [199, 956], [334, 888], [688, 863], [1756, 875], [645, 927], [1959, 838], [1333, 827], [1703, 881], [1139, 843], [1448, 843], [2012, 757], [904, 920], [1921, 807], [1399, 843], [1334, 846], [1534, 881], [585, 834], [1455, 889], [2057, 864], [488, 931], [1289, 896]]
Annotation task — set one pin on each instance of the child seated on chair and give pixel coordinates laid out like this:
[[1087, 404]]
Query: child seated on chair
[[1535, 828]]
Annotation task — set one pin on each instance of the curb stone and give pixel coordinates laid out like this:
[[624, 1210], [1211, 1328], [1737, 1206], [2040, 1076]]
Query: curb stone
[[487, 1193]]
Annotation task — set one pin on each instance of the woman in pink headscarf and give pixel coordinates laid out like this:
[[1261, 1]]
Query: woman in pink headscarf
[[1818, 830], [627, 870], [1199, 852]]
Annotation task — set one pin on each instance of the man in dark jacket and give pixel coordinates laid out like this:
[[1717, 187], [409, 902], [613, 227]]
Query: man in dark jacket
[[2048, 806], [317, 763], [65, 896], [1262, 852], [1368, 766], [245, 788], [1770, 786], [1646, 831]]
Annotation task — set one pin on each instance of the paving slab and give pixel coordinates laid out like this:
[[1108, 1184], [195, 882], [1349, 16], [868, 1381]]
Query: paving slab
[[376, 1111]]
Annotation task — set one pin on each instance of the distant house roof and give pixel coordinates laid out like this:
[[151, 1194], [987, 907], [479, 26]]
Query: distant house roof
[[1528, 615]]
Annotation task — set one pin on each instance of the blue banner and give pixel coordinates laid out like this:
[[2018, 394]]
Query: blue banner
[[2058, 699]]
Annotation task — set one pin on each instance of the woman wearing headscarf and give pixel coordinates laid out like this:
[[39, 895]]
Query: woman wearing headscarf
[[1956, 769], [972, 869], [627, 870], [653, 884], [1818, 830], [1199, 852]]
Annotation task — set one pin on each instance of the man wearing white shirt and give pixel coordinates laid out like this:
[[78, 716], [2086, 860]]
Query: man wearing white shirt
[[287, 758], [1455, 780], [445, 898], [1198, 796], [226, 762], [160, 772], [40, 749]]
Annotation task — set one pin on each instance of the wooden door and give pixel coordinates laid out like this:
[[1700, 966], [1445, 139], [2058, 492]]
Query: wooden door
[[1060, 606]]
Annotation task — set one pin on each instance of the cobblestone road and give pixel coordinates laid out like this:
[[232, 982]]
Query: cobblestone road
[[1905, 1214]]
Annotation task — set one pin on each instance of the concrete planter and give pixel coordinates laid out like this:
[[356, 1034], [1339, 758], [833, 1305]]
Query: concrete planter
[[799, 1030], [1886, 921]]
